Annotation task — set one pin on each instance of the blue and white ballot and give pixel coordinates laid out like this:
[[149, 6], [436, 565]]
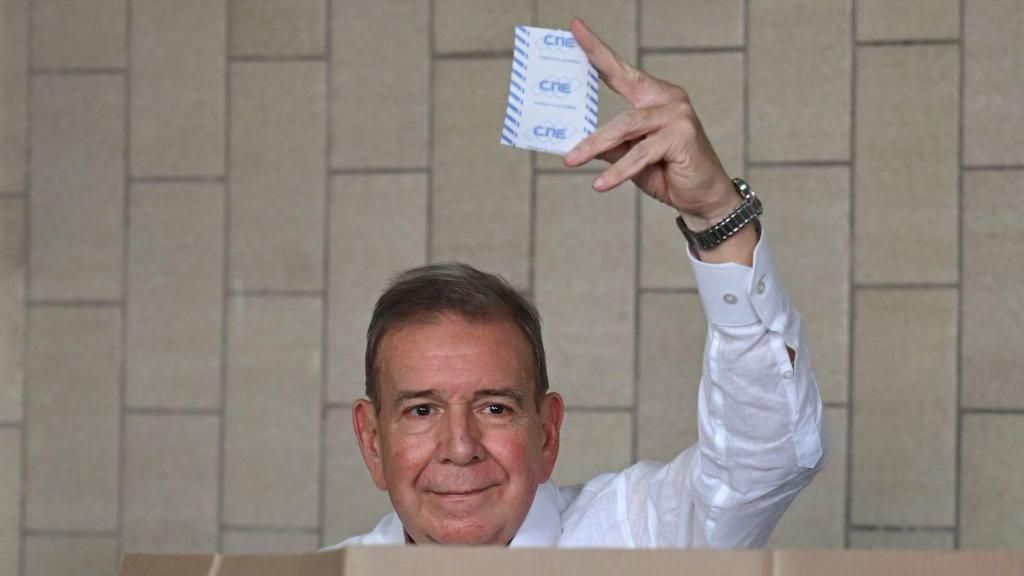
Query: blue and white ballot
[[552, 96]]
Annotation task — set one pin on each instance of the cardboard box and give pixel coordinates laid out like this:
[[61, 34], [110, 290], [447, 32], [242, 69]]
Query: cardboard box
[[436, 560]]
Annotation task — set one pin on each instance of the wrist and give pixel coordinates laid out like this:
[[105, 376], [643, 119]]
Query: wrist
[[722, 200]]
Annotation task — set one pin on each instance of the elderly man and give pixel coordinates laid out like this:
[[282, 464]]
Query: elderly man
[[459, 426]]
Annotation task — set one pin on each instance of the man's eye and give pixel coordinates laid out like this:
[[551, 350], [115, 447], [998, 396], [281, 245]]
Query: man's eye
[[497, 409], [421, 410]]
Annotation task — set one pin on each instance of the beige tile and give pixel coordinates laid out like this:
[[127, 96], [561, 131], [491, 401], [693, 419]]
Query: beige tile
[[478, 25], [584, 289], [672, 331], [928, 540], [817, 518], [904, 407], [906, 169], [267, 542], [991, 502], [77, 186], [800, 64], [272, 427], [481, 189], [593, 443], [12, 311], [993, 274], [993, 123], [802, 204], [378, 228], [379, 108], [907, 20], [72, 421], [278, 27], [10, 499], [715, 84], [79, 555], [663, 260], [14, 15], [177, 83], [615, 22], [78, 33], [170, 483], [691, 23], [352, 503], [175, 296], [278, 173]]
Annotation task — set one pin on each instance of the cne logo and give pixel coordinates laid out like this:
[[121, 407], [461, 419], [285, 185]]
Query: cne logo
[[550, 132], [557, 86], [558, 42]]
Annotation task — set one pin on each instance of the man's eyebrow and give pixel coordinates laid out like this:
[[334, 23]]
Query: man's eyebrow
[[511, 393], [406, 395]]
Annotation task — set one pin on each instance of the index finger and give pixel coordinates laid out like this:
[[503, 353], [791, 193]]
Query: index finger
[[635, 85], [620, 77]]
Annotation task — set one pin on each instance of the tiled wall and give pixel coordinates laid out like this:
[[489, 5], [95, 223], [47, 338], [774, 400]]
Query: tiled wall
[[201, 199]]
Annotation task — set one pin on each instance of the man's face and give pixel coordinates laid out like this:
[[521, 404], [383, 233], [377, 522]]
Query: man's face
[[460, 443]]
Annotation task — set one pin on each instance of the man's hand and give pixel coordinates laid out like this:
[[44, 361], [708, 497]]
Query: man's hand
[[659, 144]]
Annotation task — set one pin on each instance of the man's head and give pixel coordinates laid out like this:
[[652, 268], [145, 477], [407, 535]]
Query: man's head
[[459, 427]]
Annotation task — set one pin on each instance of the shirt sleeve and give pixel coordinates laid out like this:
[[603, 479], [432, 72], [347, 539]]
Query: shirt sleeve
[[762, 436]]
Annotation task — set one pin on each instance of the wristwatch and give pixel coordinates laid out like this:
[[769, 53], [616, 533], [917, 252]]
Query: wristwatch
[[744, 214]]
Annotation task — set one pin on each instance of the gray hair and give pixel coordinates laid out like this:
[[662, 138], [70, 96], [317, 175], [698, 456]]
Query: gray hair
[[422, 294]]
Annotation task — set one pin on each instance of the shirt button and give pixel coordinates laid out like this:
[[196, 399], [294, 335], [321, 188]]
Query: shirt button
[[729, 298], [788, 374], [760, 287]]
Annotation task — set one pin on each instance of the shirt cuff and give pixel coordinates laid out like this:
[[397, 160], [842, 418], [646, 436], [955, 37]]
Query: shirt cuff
[[738, 295]]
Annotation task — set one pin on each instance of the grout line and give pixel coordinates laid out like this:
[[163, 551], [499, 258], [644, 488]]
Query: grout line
[[992, 411], [634, 421], [273, 293], [836, 405], [656, 50], [902, 529], [225, 282], [81, 533], [669, 290], [851, 294], [585, 169], [991, 167], [26, 236], [328, 406], [113, 71], [161, 411], [46, 303], [290, 58], [798, 163], [122, 455], [958, 449], [11, 195], [472, 55], [907, 286], [326, 277], [11, 424], [746, 88], [431, 81], [270, 529], [532, 208], [917, 42], [198, 178], [378, 170]]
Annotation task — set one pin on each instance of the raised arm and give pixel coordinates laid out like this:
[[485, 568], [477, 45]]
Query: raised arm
[[761, 422]]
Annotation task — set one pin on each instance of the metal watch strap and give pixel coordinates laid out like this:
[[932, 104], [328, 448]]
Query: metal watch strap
[[744, 214]]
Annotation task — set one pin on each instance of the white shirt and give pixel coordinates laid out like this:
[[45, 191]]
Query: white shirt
[[761, 439]]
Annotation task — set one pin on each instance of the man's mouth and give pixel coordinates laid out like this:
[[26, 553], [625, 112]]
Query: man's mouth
[[461, 492]]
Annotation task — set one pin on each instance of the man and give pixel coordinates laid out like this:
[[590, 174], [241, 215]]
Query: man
[[460, 428]]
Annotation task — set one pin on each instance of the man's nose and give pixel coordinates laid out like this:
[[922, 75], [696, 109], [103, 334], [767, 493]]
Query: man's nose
[[461, 442]]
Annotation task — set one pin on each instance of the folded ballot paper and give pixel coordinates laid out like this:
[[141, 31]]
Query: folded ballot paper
[[552, 95]]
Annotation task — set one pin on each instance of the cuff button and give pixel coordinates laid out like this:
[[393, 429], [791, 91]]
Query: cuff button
[[729, 298], [761, 286]]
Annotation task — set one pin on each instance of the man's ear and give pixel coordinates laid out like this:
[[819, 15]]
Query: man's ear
[[552, 409], [367, 429]]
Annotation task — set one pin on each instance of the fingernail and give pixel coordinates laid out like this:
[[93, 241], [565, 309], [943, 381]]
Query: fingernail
[[570, 156], [599, 183]]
